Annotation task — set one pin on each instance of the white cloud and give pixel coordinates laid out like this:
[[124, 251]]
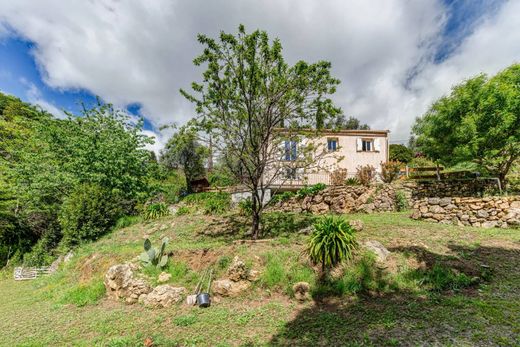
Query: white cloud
[[136, 51], [34, 96]]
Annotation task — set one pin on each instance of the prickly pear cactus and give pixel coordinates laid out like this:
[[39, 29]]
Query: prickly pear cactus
[[154, 256]]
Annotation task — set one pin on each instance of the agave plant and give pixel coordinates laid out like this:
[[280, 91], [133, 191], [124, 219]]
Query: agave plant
[[332, 242], [154, 256]]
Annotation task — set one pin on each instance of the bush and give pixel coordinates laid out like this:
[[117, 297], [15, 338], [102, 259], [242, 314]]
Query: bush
[[401, 201], [282, 197], [390, 171], [182, 210], [278, 223], [421, 162], [209, 202], [365, 174], [88, 213], [220, 179], [332, 242], [155, 210], [310, 190], [246, 207], [338, 177]]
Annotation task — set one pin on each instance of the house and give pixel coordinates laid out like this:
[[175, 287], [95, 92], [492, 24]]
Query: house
[[332, 150]]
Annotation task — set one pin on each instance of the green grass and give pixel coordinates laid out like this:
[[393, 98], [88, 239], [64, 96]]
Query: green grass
[[425, 295]]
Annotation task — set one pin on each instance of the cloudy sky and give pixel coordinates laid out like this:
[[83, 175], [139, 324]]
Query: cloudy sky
[[394, 57]]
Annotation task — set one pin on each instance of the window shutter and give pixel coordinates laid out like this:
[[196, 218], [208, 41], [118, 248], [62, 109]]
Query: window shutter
[[359, 144], [377, 145]]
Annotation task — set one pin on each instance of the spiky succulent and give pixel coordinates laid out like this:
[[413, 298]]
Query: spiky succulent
[[154, 256]]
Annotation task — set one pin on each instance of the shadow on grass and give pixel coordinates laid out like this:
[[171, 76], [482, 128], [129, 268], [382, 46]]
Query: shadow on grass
[[436, 316]]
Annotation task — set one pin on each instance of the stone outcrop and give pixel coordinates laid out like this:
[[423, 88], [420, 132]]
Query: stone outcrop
[[378, 249], [226, 287], [163, 296], [120, 284], [343, 199], [239, 279], [356, 224], [488, 212]]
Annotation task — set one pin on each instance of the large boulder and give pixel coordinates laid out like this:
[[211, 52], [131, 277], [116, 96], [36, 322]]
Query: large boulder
[[378, 249], [226, 287], [163, 296], [120, 284]]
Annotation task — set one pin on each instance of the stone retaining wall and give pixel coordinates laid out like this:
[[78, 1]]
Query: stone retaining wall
[[485, 212], [343, 199], [454, 188]]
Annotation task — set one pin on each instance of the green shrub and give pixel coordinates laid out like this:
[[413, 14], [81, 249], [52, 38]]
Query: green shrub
[[220, 179], [279, 223], [209, 202], [332, 242], [155, 210], [246, 207], [390, 171], [310, 190], [401, 202], [82, 295], [88, 213], [282, 197], [42, 252]]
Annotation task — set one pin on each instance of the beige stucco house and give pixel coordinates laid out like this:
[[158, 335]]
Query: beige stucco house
[[344, 149]]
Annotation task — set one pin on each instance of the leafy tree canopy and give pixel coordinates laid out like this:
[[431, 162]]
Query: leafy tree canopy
[[478, 121], [400, 153], [340, 122]]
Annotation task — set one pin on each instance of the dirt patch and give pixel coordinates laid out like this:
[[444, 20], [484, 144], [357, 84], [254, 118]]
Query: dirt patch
[[94, 265]]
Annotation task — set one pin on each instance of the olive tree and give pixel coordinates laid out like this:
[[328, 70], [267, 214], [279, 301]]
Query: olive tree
[[248, 92]]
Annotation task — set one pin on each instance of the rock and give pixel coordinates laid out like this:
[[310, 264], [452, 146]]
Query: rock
[[482, 214], [444, 202], [253, 275], [173, 209], [227, 287], [489, 224], [515, 204], [68, 257], [319, 208], [237, 270], [164, 277], [121, 284], [163, 296], [435, 209], [356, 224], [301, 291], [380, 251], [55, 264], [307, 230], [433, 201]]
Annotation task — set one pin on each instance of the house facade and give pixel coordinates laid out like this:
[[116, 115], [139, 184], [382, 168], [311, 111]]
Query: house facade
[[343, 149]]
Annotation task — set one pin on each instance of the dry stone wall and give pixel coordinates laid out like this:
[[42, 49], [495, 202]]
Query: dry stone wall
[[453, 188], [343, 199], [487, 212]]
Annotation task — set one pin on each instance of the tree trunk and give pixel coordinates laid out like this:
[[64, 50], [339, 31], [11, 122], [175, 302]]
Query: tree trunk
[[255, 225]]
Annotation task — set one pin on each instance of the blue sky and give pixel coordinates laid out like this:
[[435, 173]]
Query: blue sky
[[393, 57]]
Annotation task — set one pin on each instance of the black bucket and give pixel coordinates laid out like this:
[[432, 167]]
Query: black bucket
[[203, 300]]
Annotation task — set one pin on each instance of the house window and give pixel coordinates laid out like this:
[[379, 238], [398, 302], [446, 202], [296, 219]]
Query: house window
[[332, 144], [290, 150], [367, 145]]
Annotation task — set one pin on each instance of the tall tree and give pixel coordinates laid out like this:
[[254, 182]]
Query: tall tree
[[247, 92], [340, 122], [478, 121], [400, 153], [183, 151]]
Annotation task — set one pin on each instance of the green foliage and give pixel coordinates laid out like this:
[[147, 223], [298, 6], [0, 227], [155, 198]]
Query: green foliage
[[155, 256], [170, 186], [352, 181], [440, 278], [220, 178], [332, 242], [246, 76], [310, 190], [182, 210], [401, 201], [390, 171], [282, 197], [127, 221], [421, 162], [340, 122], [81, 294], [183, 151], [185, 320], [88, 213], [223, 262], [209, 202], [478, 121], [282, 270], [400, 153], [246, 207], [365, 174], [155, 210]]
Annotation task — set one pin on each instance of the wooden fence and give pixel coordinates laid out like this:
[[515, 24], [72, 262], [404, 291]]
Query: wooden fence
[[30, 273]]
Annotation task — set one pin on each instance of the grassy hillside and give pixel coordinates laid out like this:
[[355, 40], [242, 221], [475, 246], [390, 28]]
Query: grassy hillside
[[425, 293]]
